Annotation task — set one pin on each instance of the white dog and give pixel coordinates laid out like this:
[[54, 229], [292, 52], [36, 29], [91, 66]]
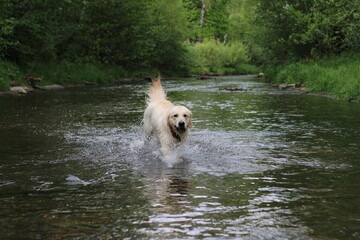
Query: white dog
[[169, 123]]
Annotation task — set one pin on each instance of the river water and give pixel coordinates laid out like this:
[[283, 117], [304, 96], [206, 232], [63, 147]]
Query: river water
[[258, 164]]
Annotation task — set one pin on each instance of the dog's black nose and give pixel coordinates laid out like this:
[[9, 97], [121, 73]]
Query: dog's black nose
[[181, 124]]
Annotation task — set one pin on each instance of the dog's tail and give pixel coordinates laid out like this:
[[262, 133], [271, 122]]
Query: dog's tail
[[156, 91]]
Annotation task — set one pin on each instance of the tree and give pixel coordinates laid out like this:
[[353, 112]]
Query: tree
[[208, 18], [293, 29], [169, 32]]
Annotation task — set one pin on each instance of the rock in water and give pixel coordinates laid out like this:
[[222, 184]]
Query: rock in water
[[52, 87], [21, 90]]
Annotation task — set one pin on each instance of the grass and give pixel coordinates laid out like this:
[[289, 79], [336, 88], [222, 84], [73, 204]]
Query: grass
[[66, 73], [337, 75]]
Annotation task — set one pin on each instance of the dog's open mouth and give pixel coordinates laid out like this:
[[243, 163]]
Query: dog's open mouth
[[180, 129]]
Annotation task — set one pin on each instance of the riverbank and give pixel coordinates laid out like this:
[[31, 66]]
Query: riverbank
[[337, 76], [38, 76], [65, 74]]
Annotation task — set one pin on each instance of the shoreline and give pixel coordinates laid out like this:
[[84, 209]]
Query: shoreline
[[305, 90], [22, 90], [25, 90]]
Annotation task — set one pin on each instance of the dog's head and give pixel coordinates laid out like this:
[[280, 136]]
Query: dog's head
[[180, 119]]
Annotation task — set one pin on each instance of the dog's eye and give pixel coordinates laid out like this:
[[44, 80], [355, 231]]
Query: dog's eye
[[185, 115], [175, 116]]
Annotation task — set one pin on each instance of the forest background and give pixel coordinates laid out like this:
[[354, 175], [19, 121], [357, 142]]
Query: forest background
[[312, 42]]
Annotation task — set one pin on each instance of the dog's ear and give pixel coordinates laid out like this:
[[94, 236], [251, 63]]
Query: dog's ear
[[168, 117], [190, 122]]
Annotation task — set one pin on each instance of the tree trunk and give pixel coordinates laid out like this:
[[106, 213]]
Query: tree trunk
[[203, 12]]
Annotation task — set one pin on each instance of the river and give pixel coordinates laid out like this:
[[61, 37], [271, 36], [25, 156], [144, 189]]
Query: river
[[259, 164]]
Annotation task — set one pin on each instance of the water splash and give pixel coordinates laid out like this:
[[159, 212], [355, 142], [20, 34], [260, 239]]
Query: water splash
[[73, 180], [205, 151]]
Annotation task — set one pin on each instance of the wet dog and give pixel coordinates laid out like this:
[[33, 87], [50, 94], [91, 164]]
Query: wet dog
[[169, 123]]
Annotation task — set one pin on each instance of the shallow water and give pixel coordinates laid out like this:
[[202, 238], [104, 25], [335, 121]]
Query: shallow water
[[258, 164]]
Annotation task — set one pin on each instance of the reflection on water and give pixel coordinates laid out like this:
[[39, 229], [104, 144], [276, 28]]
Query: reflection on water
[[259, 164]]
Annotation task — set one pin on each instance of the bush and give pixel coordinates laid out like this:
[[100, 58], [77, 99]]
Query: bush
[[247, 69], [9, 72], [216, 57]]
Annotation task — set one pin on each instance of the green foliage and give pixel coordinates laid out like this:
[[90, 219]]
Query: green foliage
[[246, 68], [77, 41], [134, 34], [168, 35], [216, 18], [67, 73], [9, 73], [6, 30], [338, 75], [113, 31], [29, 33], [217, 57], [352, 26], [290, 30]]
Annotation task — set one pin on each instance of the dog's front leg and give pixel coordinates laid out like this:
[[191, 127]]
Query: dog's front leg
[[166, 144], [165, 150]]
